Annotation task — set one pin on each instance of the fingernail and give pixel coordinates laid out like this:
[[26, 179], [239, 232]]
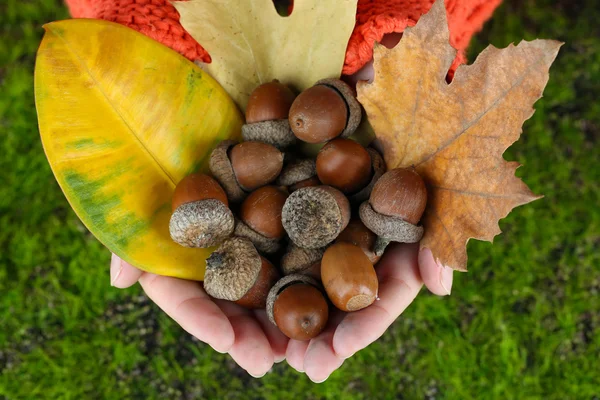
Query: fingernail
[[257, 376], [278, 360], [446, 275], [345, 358], [320, 381], [115, 269], [219, 351]]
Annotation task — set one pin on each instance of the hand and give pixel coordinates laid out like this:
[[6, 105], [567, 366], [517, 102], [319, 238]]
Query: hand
[[255, 344], [250, 338], [402, 272], [247, 335]]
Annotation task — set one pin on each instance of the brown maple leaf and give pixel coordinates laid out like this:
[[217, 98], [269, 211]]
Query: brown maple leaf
[[454, 134]]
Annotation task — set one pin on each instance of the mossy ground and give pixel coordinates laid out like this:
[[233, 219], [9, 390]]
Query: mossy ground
[[524, 323]]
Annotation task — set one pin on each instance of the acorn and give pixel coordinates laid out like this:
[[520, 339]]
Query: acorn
[[298, 260], [325, 111], [260, 218], [236, 272], [244, 167], [345, 165], [377, 170], [201, 215], [359, 235], [297, 306], [314, 216], [348, 277], [299, 174], [395, 207], [267, 115]]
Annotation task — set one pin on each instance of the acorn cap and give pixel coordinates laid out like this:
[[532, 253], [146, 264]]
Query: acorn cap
[[314, 216], [276, 133], [261, 242], [202, 223], [297, 171], [232, 269], [222, 171], [297, 259], [284, 283], [378, 166], [391, 228], [354, 108]]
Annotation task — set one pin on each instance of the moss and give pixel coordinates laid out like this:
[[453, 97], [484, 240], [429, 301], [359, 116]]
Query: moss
[[522, 324]]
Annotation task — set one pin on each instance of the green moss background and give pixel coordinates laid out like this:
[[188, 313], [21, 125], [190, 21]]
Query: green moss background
[[524, 323]]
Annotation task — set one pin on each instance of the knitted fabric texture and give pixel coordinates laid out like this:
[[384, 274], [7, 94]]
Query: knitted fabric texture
[[159, 20]]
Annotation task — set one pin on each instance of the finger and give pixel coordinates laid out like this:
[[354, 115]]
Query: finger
[[366, 73], [294, 355], [399, 284], [436, 277], [123, 274], [189, 305], [277, 340], [251, 349], [320, 359]]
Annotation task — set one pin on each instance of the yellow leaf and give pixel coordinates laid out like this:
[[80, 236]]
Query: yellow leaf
[[122, 120], [249, 43], [455, 135]]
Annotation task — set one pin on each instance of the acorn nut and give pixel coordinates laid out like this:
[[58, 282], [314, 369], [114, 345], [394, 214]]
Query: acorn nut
[[236, 272], [325, 111], [260, 218], [201, 216], [348, 277], [221, 168], [298, 260], [267, 115], [244, 167], [299, 174], [345, 165], [314, 216], [377, 171], [359, 235], [297, 306], [395, 207]]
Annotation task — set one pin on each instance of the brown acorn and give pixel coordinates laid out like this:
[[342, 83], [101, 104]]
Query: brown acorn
[[325, 111], [299, 174], [260, 218], [244, 167], [314, 216], [395, 207], [378, 169], [269, 101], [267, 115], [298, 260], [236, 272], [201, 216], [359, 235], [348, 277], [345, 165], [296, 305], [255, 164]]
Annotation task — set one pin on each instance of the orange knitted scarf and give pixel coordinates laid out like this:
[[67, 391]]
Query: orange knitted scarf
[[159, 20]]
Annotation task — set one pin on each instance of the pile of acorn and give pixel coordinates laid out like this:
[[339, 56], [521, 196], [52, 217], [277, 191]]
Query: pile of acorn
[[325, 222]]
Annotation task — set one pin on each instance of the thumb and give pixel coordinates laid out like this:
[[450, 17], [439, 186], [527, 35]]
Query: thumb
[[436, 277], [123, 274]]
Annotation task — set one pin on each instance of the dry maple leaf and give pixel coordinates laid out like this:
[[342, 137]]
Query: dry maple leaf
[[454, 134], [249, 43]]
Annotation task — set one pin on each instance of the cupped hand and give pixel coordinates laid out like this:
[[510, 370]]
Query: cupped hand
[[247, 335], [255, 344], [402, 272]]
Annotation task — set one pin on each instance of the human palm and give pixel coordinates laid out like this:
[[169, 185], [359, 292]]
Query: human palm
[[255, 344]]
